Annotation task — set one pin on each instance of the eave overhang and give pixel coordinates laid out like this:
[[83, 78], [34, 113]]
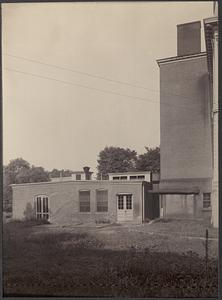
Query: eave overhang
[[176, 191], [179, 58]]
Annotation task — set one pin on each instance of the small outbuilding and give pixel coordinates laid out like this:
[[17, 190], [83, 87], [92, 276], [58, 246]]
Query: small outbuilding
[[72, 201]]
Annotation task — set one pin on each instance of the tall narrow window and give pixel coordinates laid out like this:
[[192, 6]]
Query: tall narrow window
[[42, 207], [102, 200], [84, 201], [78, 176], [120, 202], [206, 200], [128, 201]]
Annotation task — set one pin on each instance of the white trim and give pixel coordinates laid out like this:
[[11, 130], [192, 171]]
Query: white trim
[[129, 173], [78, 181], [124, 194], [35, 206], [124, 206], [143, 200]]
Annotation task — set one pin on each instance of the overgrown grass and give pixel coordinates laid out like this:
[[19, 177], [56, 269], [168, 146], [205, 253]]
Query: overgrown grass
[[75, 264]]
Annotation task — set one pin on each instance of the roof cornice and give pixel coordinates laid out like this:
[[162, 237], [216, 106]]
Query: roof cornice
[[210, 26], [178, 58]]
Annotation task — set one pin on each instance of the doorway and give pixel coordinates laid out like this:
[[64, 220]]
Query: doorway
[[124, 207]]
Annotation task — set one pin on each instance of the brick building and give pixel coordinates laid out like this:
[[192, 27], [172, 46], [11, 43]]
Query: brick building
[[71, 201]]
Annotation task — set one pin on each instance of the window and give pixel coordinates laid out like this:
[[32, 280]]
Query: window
[[133, 177], [120, 202], [42, 207], [123, 177], [116, 178], [128, 201], [84, 201], [102, 200], [206, 200], [78, 176], [141, 177]]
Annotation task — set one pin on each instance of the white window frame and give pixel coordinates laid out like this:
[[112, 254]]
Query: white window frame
[[206, 200], [41, 213]]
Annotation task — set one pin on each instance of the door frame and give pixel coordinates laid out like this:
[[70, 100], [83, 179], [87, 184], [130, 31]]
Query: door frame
[[124, 201], [42, 196]]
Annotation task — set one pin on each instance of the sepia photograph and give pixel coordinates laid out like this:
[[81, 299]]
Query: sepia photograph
[[110, 149]]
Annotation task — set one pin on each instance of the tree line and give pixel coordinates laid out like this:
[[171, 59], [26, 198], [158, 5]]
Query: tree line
[[110, 160]]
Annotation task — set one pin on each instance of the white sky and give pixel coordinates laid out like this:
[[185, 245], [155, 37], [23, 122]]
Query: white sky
[[58, 125]]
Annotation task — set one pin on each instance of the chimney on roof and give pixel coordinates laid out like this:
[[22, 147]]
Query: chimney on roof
[[87, 173], [189, 38]]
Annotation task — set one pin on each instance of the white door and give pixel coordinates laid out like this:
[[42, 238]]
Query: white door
[[124, 207]]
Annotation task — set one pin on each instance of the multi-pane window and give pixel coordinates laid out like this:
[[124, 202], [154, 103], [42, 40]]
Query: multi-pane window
[[42, 207], [102, 200], [120, 202], [116, 178], [139, 177], [84, 201], [78, 176], [128, 201], [206, 200], [123, 177]]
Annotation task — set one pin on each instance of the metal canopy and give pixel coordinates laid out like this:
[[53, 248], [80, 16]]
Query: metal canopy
[[176, 191]]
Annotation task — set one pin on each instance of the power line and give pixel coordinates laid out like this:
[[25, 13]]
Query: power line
[[79, 85], [79, 72], [92, 88], [96, 76]]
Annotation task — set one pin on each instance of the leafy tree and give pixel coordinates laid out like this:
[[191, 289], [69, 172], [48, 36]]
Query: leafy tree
[[23, 176], [115, 159], [66, 173], [149, 161], [54, 173], [14, 168], [38, 174], [19, 171], [57, 173]]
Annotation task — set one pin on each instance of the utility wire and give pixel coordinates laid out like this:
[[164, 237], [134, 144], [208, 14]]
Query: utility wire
[[79, 72], [93, 88], [97, 76]]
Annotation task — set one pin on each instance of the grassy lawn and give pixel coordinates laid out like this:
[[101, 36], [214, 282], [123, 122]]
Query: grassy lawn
[[47, 261]]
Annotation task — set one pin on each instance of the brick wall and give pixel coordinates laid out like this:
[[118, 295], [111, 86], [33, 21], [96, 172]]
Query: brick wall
[[64, 200]]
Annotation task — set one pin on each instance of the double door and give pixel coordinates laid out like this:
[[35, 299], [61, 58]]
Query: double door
[[124, 207]]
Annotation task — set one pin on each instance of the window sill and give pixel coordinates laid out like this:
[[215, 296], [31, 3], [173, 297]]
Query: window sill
[[207, 209]]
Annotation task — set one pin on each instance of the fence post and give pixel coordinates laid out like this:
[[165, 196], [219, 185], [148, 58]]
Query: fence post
[[206, 252]]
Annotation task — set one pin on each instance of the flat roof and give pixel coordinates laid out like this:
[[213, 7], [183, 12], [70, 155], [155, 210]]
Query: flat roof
[[128, 173], [80, 181], [178, 58]]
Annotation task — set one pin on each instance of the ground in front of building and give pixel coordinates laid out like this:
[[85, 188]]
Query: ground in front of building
[[161, 259]]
